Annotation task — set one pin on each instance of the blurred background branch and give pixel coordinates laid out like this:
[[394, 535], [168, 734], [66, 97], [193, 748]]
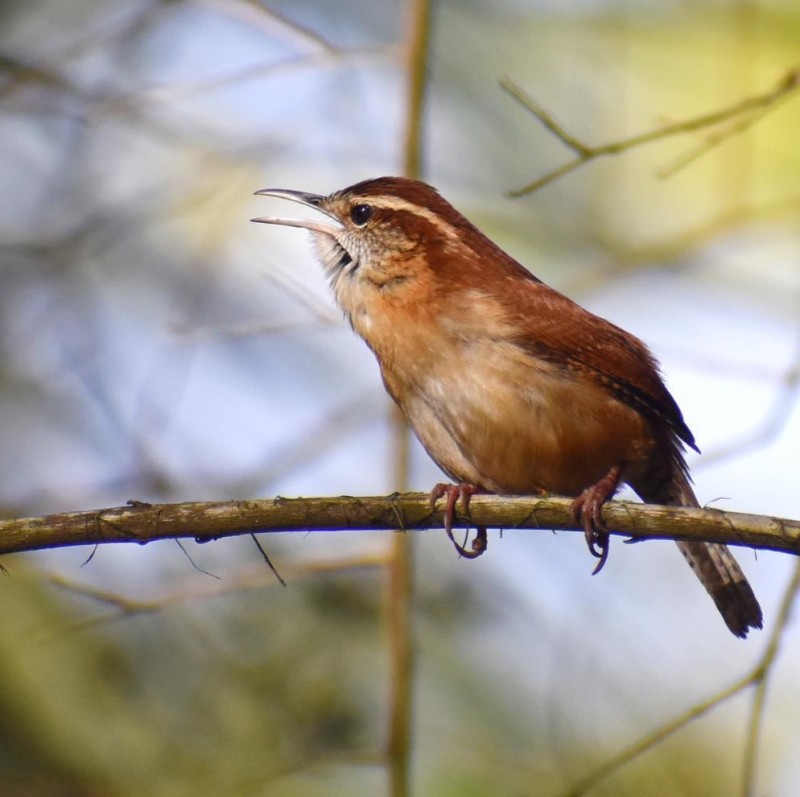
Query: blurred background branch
[[400, 566], [757, 678], [742, 115]]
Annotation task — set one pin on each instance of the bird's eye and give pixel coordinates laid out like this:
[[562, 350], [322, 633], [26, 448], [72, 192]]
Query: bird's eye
[[361, 214]]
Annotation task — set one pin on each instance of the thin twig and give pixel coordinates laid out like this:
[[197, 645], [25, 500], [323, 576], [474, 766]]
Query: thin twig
[[192, 590], [758, 676], [267, 560], [752, 109], [628, 754], [775, 420]]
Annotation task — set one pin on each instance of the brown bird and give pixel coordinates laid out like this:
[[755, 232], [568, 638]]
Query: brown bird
[[510, 386]]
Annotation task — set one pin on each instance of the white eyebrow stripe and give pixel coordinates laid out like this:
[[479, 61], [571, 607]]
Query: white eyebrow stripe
[[396, 203]]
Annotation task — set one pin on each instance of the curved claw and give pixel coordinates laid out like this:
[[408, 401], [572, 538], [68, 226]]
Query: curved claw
[[599, 546], [587, 509], [454, 492], [479, 544]]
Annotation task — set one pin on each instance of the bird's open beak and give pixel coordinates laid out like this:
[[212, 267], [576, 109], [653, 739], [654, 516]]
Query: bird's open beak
[[310, 201]]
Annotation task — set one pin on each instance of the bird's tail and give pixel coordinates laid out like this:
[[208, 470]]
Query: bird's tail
[[725, 582], [717, 569]]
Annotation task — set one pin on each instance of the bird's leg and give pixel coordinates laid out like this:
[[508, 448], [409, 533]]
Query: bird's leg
[[453, 492], [587, 508]]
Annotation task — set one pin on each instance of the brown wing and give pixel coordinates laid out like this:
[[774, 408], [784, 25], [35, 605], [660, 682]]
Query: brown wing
[[558, 330]]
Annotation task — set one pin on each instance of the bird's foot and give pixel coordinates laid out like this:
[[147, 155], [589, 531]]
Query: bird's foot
[[454, 492], [587, 509]]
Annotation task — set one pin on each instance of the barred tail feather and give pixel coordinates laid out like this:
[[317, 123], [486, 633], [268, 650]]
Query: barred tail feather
[[725, 582], [714, 565]]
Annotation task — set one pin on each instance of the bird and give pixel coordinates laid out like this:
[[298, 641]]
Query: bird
[[510, 386]]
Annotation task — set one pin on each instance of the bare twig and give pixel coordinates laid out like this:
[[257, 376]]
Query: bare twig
[[142, 523], [757, 676], [745, 114], [774, 422], [760, 677]]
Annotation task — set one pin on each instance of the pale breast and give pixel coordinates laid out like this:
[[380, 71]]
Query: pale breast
[[500, 419]]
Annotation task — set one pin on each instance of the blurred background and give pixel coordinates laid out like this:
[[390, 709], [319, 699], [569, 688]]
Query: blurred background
[[155, 345]]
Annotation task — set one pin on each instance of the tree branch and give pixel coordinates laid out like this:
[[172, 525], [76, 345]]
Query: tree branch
[[758, 677], [745, 113], [142, 523]]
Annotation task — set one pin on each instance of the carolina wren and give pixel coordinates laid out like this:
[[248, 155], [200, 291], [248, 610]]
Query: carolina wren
[[510, 386]]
